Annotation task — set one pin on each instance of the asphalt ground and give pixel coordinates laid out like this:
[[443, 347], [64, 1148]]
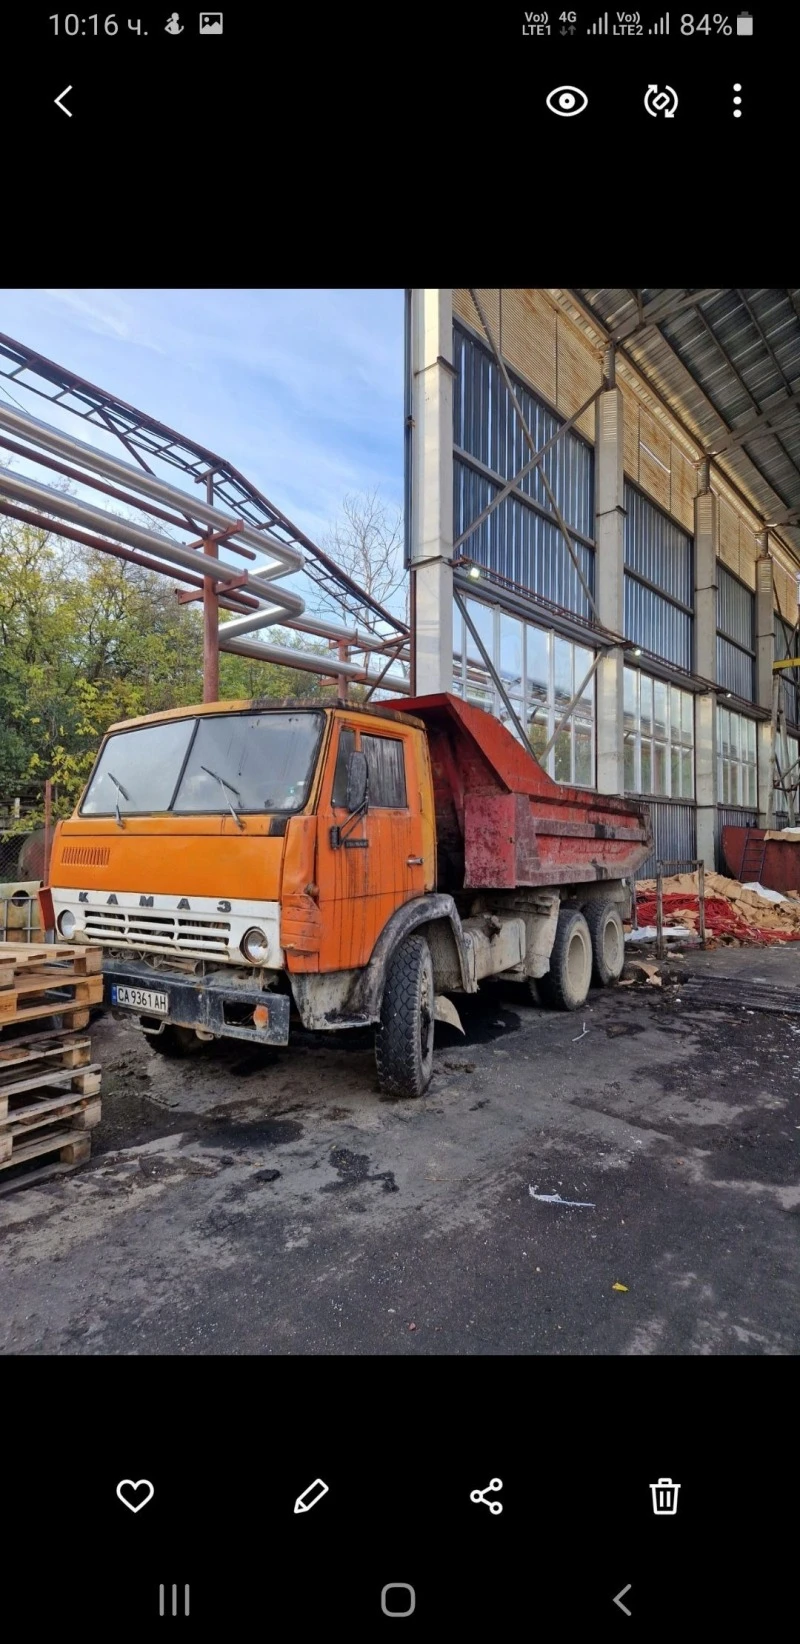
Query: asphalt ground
[[269, 1202]]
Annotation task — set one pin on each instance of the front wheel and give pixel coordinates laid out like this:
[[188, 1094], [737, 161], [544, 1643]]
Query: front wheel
[[175, 1041], [567, 982], [404, 1039]]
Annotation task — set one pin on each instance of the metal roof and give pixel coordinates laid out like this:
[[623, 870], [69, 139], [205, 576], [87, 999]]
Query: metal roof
[[727, 364]]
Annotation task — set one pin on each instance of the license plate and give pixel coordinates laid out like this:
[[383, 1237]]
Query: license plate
[[140, 999]]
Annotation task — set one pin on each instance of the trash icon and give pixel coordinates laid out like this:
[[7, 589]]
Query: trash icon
[[665, 1497]]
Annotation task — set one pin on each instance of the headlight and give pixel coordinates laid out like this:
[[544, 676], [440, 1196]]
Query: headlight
[[67, 923], [254, 946]]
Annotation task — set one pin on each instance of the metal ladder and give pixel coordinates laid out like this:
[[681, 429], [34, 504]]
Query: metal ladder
[[755, 850]]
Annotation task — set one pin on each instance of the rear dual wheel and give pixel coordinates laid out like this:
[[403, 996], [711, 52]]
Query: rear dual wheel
[[589, 948], [566, 984], [608, 942]]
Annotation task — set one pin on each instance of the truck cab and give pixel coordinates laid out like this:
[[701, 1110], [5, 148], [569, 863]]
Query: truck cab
[[219, 852]]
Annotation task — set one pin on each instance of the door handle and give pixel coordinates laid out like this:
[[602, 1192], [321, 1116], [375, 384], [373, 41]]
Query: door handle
[[414, 861]]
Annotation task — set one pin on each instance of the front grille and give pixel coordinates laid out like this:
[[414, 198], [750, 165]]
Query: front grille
[[158, 932], [86, 856]]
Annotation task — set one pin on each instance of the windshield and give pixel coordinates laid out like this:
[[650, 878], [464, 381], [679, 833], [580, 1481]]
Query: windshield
[[244, 762]]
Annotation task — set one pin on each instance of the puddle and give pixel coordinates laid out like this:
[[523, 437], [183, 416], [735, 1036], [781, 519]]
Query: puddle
[[353, 1169]]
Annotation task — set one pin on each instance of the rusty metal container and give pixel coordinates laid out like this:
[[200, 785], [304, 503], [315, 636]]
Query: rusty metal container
[[752, 854], [502, 822]]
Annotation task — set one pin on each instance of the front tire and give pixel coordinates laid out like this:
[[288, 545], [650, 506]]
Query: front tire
[[566, 984], [404, 1039], [175, 1041], [608, 942]]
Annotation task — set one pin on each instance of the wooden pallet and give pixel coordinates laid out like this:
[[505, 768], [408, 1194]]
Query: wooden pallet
[[68, 1147], [48, 979], [42, 1050], [49, 1086]]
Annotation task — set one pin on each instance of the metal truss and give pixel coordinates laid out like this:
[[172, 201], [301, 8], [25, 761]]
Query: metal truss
[[228, 513]]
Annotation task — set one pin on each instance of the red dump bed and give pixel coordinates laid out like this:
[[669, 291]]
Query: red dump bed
[[500, 819]]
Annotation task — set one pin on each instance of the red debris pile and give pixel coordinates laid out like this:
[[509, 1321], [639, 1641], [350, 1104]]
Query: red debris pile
[[732, 910]]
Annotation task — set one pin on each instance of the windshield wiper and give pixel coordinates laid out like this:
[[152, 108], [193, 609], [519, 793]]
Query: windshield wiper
[[110, 774], [223, 784]]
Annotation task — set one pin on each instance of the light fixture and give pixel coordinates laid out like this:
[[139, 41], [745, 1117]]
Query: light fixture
[[474, 572], [729, 693], [255, 946], [67, 924], [637, 650]]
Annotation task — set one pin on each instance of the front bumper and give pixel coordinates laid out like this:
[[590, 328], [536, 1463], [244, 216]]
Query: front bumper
[[218, 1004]]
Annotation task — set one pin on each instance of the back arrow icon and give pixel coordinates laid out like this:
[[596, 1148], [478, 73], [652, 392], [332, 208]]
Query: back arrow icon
[[59, 104], [619, 1598]]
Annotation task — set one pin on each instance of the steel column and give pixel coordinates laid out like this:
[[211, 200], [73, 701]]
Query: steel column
[[431, 562], [210, 613]]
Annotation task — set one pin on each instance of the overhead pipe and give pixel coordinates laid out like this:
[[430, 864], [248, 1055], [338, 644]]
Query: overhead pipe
[[115, 491], [65, 445], [282, 608], [278, 602], [354, 637], [27, 516], [309, 662]]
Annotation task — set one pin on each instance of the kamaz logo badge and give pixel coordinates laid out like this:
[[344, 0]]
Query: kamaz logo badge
[[184, 906]]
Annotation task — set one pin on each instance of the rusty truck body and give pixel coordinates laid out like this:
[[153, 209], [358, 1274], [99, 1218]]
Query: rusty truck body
[[246, 865]]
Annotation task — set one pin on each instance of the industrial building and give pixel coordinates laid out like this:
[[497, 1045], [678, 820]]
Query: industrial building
[[603, 500]]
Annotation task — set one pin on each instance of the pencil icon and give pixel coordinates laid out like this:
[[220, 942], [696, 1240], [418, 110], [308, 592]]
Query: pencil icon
[[311, 1496]]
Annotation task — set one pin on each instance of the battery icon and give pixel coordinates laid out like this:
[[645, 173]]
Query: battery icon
[[744, 22]]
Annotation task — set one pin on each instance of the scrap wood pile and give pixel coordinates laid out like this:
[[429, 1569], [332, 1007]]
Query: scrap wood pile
[[733, 912], [49, 1086]]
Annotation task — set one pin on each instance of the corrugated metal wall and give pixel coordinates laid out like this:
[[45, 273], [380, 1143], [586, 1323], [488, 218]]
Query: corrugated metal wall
[[674, 835], [658, 581], [736, 616], [516, 540]]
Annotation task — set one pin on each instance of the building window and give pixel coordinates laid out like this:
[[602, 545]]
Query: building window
[[659, 583], [786, 645], [659, 737], [540, 672], [520, 537], [736, 616], [736, 754]]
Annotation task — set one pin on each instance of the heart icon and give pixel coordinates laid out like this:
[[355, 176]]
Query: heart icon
[[126, 1488]]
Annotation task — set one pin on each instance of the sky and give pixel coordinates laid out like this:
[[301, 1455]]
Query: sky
[[301, 390]]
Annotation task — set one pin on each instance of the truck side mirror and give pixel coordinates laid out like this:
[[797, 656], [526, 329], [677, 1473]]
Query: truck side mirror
[[357, 782]]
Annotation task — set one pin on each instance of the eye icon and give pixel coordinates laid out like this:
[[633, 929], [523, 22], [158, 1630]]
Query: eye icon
[[567, 100]]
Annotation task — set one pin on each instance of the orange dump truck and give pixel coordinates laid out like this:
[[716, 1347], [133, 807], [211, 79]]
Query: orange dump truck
[[245, 865]]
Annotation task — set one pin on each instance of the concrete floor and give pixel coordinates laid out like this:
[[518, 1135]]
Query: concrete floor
[[270, 1203]]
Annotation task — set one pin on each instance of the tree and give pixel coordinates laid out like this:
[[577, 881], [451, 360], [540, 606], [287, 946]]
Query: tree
[[366, 541], [86, 640]]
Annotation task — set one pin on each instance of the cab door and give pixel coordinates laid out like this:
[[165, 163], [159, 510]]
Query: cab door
[[379, 864], [396, 872], [342, 871]]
